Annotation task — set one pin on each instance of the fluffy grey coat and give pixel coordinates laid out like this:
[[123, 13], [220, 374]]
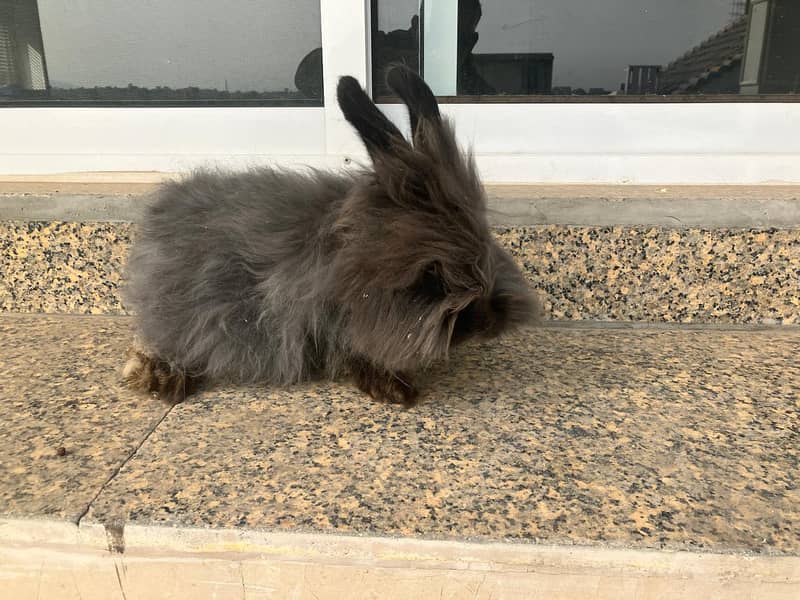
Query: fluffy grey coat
[[280, 276]]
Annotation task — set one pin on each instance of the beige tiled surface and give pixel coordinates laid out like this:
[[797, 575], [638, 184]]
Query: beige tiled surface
[[60, 394], [635, 438], [648, 439], [601, 273]]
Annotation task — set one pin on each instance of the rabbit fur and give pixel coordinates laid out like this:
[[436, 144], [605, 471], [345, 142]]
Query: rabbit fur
[[279, 277]]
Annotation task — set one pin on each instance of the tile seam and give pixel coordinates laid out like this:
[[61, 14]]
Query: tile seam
[[121, 466], [577, 324]]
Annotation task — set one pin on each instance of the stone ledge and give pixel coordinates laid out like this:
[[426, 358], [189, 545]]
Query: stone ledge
[[532, 205], [43, 560]]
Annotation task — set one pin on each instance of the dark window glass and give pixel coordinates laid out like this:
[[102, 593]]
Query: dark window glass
[[612, 49], [160, 51]]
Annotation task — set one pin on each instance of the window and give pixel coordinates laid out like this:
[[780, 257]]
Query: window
[[605, 49], [533, 86], [157, 52]]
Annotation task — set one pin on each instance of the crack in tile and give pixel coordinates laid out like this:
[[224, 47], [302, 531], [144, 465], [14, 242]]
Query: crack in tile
[[116, 471]]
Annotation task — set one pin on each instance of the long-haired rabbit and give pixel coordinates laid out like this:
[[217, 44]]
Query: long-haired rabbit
[[280, 277]]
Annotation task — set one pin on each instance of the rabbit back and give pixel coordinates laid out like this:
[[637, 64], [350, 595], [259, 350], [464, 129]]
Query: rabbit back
[[225, 272]]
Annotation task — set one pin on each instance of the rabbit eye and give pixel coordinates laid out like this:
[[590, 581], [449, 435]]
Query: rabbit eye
[[430, 285]]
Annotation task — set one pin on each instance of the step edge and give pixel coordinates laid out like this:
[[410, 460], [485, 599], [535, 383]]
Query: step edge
[[503, 210], [764, 326], [242, 544]]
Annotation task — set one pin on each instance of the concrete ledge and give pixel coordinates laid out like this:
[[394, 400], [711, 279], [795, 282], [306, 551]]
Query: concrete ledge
[[84, 208], [71, 181], [666, 212], [187, 563], [579, 205]]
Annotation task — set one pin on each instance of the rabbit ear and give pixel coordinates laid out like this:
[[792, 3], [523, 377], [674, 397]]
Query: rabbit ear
[[416, 94], [378, 132]]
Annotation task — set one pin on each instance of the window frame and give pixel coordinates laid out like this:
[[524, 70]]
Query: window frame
[[515, 139]]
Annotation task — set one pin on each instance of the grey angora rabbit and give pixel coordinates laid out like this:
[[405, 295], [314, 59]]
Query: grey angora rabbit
[[280, 277]]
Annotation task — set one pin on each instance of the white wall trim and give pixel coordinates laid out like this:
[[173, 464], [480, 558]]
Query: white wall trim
[[613, 129], [742, 143], [641, 144], [645, 169], [49, 140]]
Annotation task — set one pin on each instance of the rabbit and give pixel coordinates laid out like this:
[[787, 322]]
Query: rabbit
[[280, 277]]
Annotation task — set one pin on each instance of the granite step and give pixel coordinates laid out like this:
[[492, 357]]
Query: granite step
[[564, 461], [680, 254], [643, 444]]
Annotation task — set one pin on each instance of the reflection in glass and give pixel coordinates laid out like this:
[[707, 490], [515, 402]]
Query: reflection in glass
[[178, 51], [755, 43], [772, 56], [22, 65], [600, 48]]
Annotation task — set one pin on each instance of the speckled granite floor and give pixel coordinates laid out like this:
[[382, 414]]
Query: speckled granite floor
[[66, 425], [632, 273], [638, 438]]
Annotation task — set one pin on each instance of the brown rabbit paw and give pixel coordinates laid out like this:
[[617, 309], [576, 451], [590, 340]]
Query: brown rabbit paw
[[385, 386], [396, 388], [158, 378]]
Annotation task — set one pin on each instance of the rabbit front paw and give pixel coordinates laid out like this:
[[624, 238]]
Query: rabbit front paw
[[385, 386]]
